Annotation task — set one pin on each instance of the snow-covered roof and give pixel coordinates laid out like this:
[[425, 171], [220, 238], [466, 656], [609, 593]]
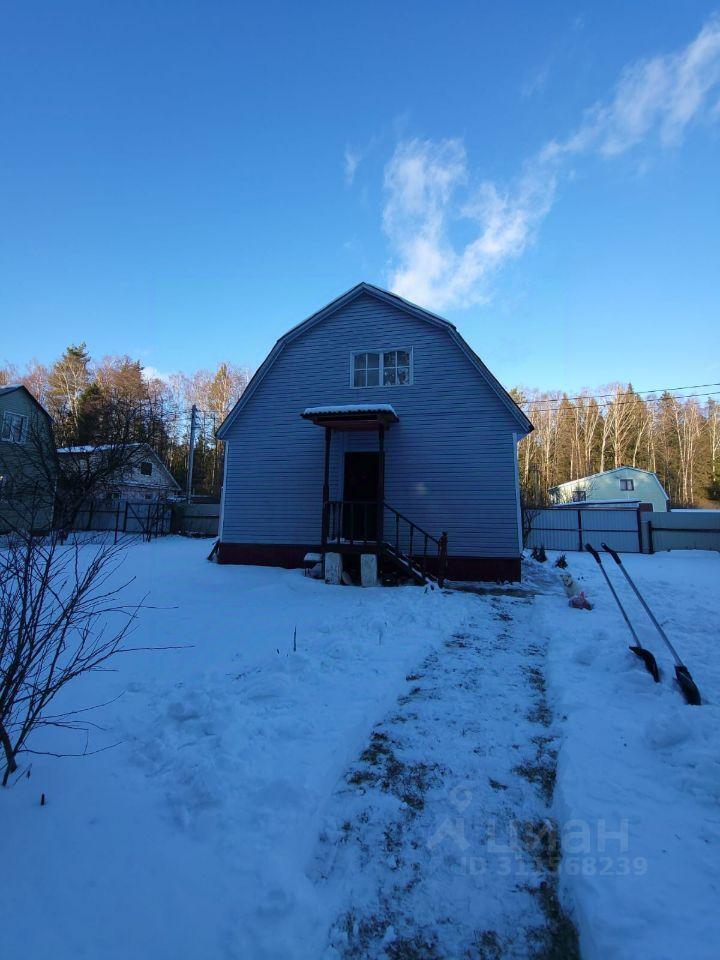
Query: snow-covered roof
[[587, 504], [350, 408], [89, 448]]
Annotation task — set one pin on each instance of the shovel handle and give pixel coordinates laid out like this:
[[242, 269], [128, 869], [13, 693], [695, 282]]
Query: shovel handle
[[613, 553], [603, 571], [593, 551]]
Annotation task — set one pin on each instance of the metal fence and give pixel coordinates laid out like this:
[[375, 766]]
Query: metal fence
[[567, 528], [151, 518], [682, 530], [625, 530], [196, 519]]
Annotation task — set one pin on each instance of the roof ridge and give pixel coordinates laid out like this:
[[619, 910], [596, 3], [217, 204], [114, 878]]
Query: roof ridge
[[602, 473], [401, 304]]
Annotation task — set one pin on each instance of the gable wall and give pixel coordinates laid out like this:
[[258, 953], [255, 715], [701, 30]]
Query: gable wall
[[30, 466], [17, 401], [158, 479], [450, 462], [607, 487]]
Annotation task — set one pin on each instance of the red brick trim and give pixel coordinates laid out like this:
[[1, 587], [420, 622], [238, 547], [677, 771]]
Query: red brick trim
[[287, 555], [484, 568], [290, 555]]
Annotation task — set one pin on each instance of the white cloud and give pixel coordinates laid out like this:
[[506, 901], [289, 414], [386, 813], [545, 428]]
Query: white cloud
[[352, 160], [662, 95], [423, 180], [430, 191], [152, 373]]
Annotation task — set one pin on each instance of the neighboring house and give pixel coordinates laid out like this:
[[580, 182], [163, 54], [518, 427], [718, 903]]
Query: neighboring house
[[28, 467], [413, 428], [613, 487], [140, 473]]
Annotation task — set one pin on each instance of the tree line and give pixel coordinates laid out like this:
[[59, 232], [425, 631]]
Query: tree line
[[114, 401], [674, 434]]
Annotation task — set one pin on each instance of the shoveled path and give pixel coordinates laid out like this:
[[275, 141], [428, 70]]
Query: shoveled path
[[438, 843]]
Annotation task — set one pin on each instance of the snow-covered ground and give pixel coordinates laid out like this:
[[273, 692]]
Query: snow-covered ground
[[638, 785], [383, 790]]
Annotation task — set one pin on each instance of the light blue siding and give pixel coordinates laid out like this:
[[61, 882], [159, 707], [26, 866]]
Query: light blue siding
[[450, 461], [607, 486]]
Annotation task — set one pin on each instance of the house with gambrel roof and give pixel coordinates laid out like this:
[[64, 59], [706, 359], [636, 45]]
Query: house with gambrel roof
[[613, 488], [373, 429], [28, 466]]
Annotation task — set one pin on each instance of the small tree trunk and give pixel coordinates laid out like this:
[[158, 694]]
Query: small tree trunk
[[11, 764]]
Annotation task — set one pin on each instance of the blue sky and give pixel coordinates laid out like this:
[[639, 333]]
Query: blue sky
[[183, 181]]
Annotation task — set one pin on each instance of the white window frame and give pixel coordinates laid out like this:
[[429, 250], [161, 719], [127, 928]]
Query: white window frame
[[145, 473], [381, 351], [7, 418], [627, 485]]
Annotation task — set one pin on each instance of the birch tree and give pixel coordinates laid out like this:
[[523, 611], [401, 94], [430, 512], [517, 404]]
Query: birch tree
[[68, 377]]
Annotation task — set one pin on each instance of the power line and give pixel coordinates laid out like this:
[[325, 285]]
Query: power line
[[605, 396], [542, 404]]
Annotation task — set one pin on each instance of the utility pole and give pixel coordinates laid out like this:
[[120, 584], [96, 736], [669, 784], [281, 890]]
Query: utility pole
[[191, 453]]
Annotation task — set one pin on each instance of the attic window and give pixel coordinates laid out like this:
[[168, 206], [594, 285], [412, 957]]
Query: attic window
[[579, 496], [14, 427], [627, 484], [387, 368], [146, 468]]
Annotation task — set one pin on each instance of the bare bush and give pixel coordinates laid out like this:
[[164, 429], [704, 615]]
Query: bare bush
[[61, 615]]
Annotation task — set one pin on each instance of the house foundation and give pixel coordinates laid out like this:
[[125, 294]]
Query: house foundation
[[333, 568], [369, 570]]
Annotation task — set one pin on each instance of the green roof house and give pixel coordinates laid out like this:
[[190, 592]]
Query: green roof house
[[623, 486]]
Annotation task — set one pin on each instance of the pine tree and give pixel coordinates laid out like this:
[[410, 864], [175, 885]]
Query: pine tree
[[68, 378], [92, 414]]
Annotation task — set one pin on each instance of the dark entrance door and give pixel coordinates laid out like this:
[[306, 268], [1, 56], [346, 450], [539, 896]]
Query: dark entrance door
[[360, 496]]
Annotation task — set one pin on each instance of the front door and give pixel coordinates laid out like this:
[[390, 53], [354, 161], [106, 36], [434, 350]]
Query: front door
[[360, 492]]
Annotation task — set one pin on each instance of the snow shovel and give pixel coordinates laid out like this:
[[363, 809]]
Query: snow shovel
[[682, 674], [638, 649]]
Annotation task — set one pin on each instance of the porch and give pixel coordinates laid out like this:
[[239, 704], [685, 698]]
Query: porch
[[362, 522]]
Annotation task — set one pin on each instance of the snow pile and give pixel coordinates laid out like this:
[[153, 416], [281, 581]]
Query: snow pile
[[638, 785]]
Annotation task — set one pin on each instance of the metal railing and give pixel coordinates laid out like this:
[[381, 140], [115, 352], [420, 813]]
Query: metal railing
[[415, 546], [351, 521], [360, 522]]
